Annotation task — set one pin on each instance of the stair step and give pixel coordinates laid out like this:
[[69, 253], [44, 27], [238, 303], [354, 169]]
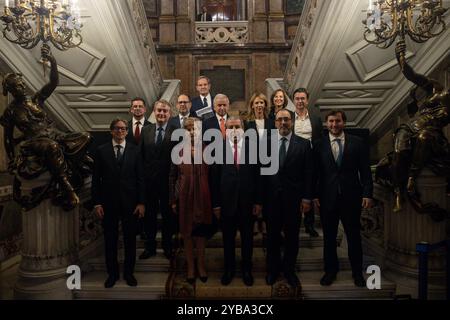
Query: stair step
[[158, 263], [150, 286], [342, 288]]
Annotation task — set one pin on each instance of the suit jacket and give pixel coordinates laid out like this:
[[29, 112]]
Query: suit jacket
[[130, 135], [157, 159], [353, 179], [316, 125], [233, 186], [294, 179], [118, 189], [175, 121], [197, 104]]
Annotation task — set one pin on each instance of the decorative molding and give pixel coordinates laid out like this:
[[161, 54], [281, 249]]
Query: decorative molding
[[221, 32]]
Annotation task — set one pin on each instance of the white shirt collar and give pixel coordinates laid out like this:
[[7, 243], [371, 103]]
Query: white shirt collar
[[297, 117], [341, 136], [219, 117], [288, 137], [141, 121], [123, 144]]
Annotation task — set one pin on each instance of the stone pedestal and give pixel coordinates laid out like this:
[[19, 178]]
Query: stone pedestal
[[49, 247], [407, 228]]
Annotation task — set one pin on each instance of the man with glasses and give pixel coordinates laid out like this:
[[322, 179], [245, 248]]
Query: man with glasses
[[287, 196], [118, 192], [184, 111], [156, 148], [138, 121]]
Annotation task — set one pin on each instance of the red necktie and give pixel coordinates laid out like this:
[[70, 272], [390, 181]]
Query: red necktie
[[222, 127], [137, 132], [236, 162]]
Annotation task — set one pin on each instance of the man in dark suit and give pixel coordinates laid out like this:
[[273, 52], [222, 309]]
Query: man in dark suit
[[204, 16], [138, 121], [308, 126], [287, 195], [184, 111], [218, 121], [202, 105], [118, 192], [138, 110], [344, 185], [156, 147], [240, 200]]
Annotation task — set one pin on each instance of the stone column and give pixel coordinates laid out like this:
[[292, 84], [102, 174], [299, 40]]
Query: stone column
[[50, 245], [183, 29], [407, 228], [259, 22], [167, 23], [276, 22], [3, 156]]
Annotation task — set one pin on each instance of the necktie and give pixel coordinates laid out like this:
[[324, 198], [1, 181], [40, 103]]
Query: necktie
[[340, 152], [119, 154], [282, 153], [205, 102], [137, 132], [159, 138], [181, 122], [236, 162], [222, 127]]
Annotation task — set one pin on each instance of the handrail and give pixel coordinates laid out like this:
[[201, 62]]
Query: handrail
[[424, 248]]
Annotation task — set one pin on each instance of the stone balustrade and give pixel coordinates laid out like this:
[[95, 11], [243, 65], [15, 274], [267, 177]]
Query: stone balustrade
[[221, 32]]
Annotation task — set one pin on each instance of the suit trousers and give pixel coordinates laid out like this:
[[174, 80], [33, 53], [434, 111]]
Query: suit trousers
[[158, 201], [111, 235], [243, 221], [282, 215], [350, 217]]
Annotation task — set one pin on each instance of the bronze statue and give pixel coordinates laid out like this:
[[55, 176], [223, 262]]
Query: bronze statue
[[420, 142], [41, 147]]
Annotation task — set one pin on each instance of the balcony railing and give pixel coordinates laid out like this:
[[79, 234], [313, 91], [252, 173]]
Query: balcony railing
[[221, 32]]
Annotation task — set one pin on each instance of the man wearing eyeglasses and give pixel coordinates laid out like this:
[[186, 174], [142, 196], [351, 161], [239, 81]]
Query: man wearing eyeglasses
[[138, 121], [156, 148], [184, 111], [118, 192], [287, 196]]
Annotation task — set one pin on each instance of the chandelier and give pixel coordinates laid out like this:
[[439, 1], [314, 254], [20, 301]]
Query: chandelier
[[389, 19], [28, 22]]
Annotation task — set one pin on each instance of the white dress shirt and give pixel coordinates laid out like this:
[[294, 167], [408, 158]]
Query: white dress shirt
[[208, 98], [334, 144], [303, 126], [140, 126]]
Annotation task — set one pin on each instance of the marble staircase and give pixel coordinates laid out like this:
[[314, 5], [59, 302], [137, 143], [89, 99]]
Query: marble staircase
[[159, 278]]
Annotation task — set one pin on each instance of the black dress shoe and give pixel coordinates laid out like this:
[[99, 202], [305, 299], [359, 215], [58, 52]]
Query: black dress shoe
[[247, 278], [359, 280], [328, 278], [191, 280], [147, 254], [111, 281], [227, 277], [130, 280], [203, 279], [271, 278], [292, 279], [312, 232]]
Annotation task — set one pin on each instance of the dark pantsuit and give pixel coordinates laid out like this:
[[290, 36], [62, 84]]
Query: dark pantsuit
[[242, 221], [351, 222], [111, 235], [283, 218]]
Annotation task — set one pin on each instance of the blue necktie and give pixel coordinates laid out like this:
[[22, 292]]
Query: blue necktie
[[160, 137], [340, 152], [205, 102]]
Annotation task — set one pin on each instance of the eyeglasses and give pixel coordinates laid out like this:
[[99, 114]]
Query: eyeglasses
[[285, 119], [183, 102], [120, 128]]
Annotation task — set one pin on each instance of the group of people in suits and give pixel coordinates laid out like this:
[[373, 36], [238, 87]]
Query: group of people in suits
[[323, 173]]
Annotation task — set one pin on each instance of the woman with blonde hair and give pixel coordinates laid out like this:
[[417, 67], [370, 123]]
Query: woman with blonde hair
[[190, 198], [258, 114]]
